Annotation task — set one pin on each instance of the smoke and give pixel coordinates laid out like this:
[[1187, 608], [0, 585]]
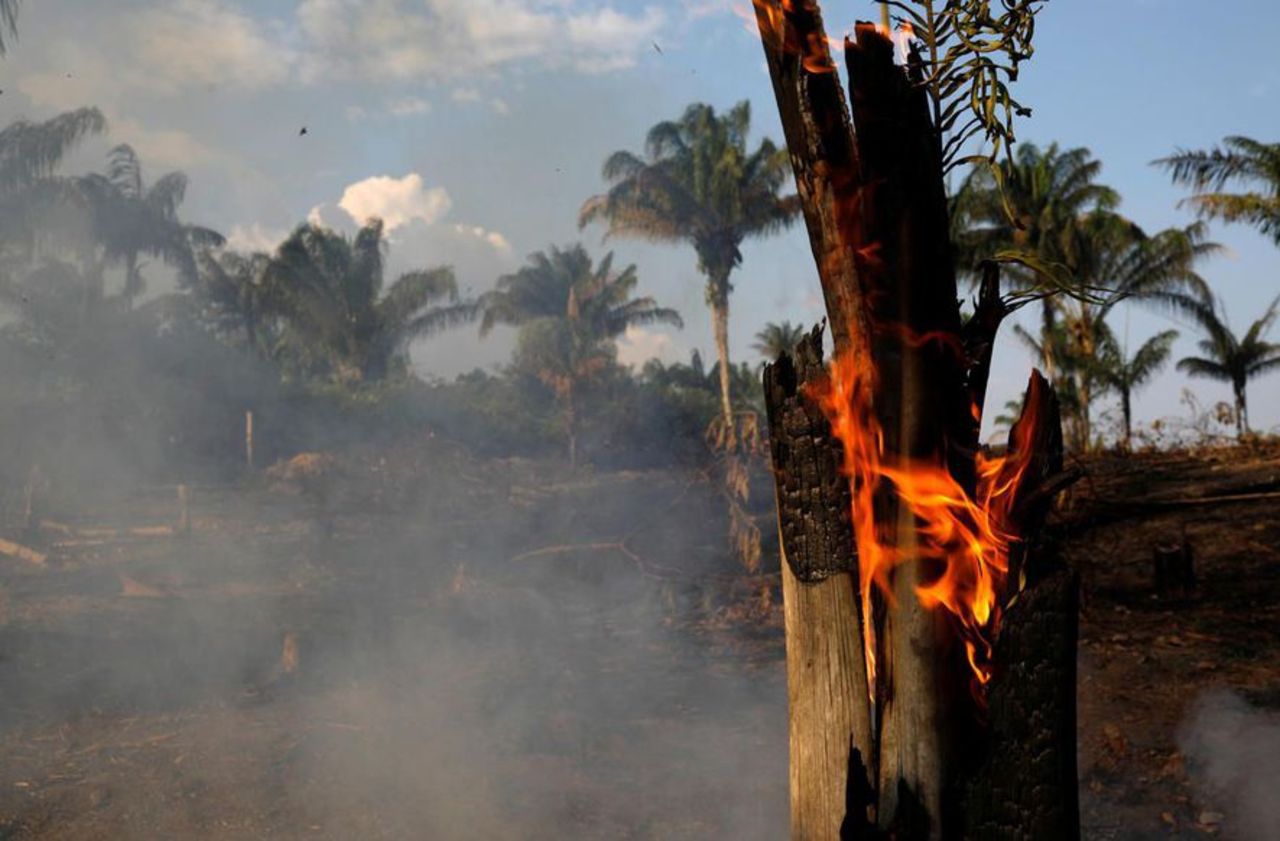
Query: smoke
[[1233, 754], [452, 680]]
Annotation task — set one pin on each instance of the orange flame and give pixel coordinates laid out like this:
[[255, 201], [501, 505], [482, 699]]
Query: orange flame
[[969, 537], [771, 18]]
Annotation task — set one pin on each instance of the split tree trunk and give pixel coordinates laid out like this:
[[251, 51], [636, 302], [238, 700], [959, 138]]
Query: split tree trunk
[[876, 211]]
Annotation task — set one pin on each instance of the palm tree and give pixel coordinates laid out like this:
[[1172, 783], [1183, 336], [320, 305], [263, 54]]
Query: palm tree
[[30, 154], [698, 183], [1241, 160], [1065, 237], [337, 322], [1112, 260], [8, 22], [776, 339], [236, 292], [569, 312], [1234, 360], [1072, 374], [1029, 207], [133, 218], [1124, 374]]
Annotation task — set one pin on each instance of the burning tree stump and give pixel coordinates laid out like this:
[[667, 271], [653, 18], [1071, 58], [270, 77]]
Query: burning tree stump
[[915, 711]]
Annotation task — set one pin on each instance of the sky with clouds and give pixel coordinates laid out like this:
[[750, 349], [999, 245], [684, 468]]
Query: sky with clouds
[[476, 129]]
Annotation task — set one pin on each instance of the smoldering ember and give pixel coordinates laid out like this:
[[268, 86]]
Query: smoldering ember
[[612, 420]]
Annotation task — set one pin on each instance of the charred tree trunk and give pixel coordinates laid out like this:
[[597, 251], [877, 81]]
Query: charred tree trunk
[[876, 210], [830, 720]]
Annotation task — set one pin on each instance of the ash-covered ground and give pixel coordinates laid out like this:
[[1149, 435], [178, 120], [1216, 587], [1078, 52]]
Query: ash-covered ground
[[441, 646]]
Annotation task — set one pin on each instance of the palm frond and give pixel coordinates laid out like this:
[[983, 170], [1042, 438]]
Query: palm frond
[[1195, 366], [30, 151], [8, 23]]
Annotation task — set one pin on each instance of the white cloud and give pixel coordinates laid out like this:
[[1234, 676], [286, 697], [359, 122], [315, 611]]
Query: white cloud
[[500, 106], [408, 107], [401, 203], [396, 201], [465, 95], [699, 9], [176, 47], [162, 149], [494, 239], [206, 42], [414, 39], [606, 39], [254, 237], [638, 346]]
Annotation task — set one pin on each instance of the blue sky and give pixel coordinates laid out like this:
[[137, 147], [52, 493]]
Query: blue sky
[[483, 126]]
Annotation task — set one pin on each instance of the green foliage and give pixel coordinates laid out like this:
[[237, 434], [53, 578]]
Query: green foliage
[[970, 57], [569, 311], [336, 323], [698, 183], [1239, 159], [1124, 375], [1066, 247]]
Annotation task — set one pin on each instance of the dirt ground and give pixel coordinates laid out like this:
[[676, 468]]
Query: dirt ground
[[453, 649]]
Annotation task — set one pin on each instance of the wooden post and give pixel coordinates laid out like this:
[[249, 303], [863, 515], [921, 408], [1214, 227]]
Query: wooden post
[[184, 510], [32, 501], [248, 439]]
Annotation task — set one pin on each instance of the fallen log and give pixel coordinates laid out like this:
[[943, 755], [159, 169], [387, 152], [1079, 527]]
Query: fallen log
[[25, 554]]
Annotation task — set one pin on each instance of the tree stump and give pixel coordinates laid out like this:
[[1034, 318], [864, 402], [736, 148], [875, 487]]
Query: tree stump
[[932, 761]]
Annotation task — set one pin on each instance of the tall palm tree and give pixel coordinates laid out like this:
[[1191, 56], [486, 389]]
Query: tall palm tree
[[337, 321], [699, 183], [8, 22], [1240, 160], [775, 339], [1232, 359], [134, 218], [569, 311], [1125, 374]]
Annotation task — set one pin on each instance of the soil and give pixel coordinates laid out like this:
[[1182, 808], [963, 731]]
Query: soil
[[426, 645]]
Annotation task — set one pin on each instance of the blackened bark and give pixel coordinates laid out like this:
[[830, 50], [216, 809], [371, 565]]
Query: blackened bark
[[819, 134], [829, 717], [1025, 787], [814, 499]]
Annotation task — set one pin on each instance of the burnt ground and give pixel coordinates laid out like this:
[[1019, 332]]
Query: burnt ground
[[508, 650]]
